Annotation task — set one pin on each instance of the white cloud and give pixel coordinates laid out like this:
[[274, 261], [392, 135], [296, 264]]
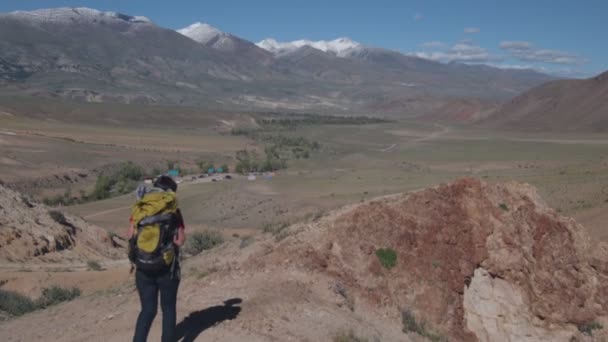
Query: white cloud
[[467, 48], [433, 44], [515, 45], [526, 51], [467, 41], [460, 52], [418, 16], [515, 66], [471, 30]]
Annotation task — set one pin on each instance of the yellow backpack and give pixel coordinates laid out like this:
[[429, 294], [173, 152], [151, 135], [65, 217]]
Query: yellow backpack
[[155, 220]]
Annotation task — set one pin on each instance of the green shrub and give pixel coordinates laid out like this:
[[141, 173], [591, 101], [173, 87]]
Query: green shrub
[[94, 265], [204, 165], [200, 241], [587, 328], [504, 207], [348, 337], [120, 181], [410, 324], [387, 257], [15, 304], [246, 241], [54, 295]]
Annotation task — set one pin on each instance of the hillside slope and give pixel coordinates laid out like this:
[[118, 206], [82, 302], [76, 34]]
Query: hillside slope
[[565, 105], [94, 56], [33, 233], [474, 262]]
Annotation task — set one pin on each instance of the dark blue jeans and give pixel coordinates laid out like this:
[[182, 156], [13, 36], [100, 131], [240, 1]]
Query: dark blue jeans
[[148, 287]]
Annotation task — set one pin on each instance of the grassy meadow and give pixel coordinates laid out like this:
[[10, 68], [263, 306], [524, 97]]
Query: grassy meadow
[[354, 162]]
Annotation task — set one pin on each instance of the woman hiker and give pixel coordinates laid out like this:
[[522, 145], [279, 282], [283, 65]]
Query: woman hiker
[[155, 236]]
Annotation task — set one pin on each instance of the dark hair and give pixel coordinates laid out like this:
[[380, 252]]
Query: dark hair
[[166, 183]]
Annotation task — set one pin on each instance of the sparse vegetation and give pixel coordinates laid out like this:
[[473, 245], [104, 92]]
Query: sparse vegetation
[[587, 328], [16, 304], [117, 182], [58, 217], [54, 295], [387, 257], [204, 273], [204, 166], [201, 241], [410, 324], [27, 201], [349, 300], [94, 265], [246, 241], [293, 121], [279, 148], [276, 229], [65, 199], [349, 336], [250, 161], [504, 207]]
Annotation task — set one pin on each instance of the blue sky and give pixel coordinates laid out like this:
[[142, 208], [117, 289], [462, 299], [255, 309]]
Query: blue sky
[[563, 37]]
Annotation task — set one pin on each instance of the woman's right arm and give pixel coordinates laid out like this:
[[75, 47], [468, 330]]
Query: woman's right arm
[[131, 230]]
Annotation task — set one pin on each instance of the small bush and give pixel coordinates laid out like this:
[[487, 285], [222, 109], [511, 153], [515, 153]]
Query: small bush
[[27, 201], [587, 328], [198, 242], [246, 241], [202, 274], [348, 337], [54, 295], [119, 181], [15, 304], [387, 257], [58, 217], [504, 207], [94, 265], [410, 324]]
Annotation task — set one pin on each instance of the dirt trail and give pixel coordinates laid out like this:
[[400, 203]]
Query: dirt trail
[[460, 250], [184, 184], [442, 130], [435, 134]]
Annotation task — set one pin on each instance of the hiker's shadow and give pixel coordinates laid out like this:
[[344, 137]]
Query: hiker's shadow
[[199, 321]]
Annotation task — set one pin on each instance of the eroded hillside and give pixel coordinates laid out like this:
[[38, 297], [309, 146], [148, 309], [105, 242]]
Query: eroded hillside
[[472, 262], [32, 232]]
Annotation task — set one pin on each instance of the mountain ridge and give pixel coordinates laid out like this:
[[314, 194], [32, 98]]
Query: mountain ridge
[[560, 105], [89, 55]]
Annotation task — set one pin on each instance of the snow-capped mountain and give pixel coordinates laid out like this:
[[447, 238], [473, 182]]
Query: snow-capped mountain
[[68, 15], [214, 38], [86, 54], [341, 47], [203, 33]]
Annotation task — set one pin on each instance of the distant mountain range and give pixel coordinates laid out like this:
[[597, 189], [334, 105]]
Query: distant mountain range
[[85, 54]]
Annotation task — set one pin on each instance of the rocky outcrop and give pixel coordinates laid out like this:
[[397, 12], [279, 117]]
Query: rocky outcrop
[[31, 231], [475, 261]]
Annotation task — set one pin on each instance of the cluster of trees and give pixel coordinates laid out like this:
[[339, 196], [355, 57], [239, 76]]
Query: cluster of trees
[[204, 166], [279, 149], [118, 181], [251, 161], [292, 121], [300, 147]]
